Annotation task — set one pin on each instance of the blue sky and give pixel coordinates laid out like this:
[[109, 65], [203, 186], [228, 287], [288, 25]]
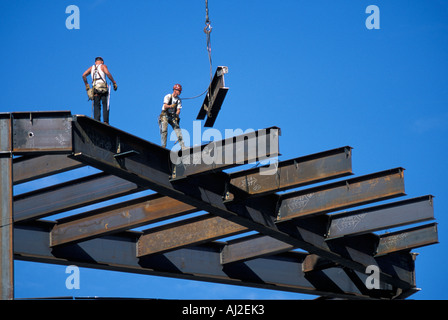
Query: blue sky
[[311, 68]]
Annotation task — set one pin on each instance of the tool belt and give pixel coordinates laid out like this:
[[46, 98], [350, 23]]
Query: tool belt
[[100, 88]]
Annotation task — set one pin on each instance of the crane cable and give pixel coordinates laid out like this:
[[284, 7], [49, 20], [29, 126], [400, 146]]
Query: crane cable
[[207, 31]]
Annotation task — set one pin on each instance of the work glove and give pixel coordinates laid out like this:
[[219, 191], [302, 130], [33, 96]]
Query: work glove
[[115, 86], [87, 87]]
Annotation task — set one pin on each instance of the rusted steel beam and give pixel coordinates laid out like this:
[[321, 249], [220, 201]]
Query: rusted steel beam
[[115, 218], [6, 211], [386, 216], [408, 239], [199, 262], [42, 132], [31, 168], [313, 262], [71, 195], [340, 195], [295, 172], [252, 247], [227, 153], [192, 231]]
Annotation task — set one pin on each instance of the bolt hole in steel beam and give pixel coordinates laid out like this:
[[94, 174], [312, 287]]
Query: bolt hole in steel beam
[[41, 132]]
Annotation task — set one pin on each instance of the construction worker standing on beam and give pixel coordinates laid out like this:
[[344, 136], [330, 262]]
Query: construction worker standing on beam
[[172, 105], [99, 92]]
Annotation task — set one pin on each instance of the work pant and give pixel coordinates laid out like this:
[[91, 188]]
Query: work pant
[[164, 121], [99, 99]]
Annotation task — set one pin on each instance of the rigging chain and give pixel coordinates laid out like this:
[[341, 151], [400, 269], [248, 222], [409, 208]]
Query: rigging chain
[[207, 31]]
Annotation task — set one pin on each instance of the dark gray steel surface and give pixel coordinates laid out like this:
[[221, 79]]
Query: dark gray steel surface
[[6, 211]]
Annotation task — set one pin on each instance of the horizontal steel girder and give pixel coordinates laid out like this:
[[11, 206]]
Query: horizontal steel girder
[[115, 218], [186, 232], [41, 132], [381, 217], [31, 168], [71, 195], [295, 172], [343, 194], [223, 154], [97, 144], [200, 262]]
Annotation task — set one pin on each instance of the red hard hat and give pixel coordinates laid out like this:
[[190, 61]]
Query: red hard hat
[[177, 87]]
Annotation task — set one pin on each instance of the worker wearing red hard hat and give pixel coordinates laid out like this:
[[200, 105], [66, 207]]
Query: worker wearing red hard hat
[[172, 105]]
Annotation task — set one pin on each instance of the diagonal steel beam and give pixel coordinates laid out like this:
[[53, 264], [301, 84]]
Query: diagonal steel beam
[[97, 144], [115, 218], [294, 173], [343, 194]]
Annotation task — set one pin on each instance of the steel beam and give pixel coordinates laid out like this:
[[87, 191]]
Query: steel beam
[[215, 97], [294, 173], [115, 218], [187, 232], [96, 144], [41, 132], [71, 195], [6, 211], [252, 247], [386, 216], [340, 195], [31, 168], [223, 154], [408, 239], [118, 253]]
